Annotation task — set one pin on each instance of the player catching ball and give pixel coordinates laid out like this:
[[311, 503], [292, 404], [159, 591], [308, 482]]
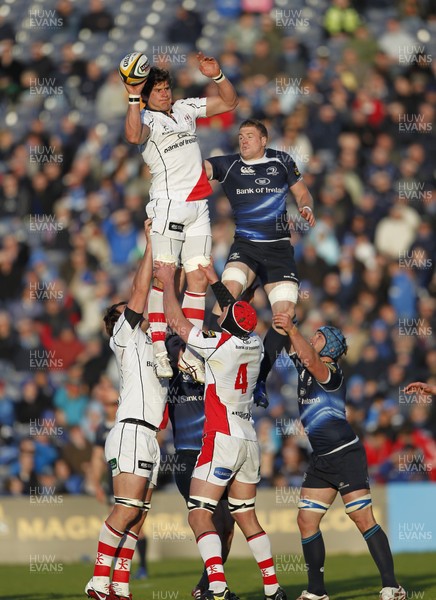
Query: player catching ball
[[181, 234]]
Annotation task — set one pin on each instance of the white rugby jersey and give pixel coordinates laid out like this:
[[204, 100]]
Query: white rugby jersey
[[142, 395], [173, 154], [232, 367]]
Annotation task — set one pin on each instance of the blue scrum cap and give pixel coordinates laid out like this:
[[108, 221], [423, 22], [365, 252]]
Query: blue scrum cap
[[336, 344]]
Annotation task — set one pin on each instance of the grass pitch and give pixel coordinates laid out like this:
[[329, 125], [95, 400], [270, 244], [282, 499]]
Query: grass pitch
[[347, 577]]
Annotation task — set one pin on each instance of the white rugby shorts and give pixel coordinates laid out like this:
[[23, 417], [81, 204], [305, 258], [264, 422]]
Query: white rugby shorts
[[133, 449], [223, 457]]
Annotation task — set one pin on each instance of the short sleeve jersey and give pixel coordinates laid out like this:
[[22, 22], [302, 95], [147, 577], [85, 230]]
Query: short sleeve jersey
[[142, 395], [232, 366], [257, 192], [173, 154], [322, 408]]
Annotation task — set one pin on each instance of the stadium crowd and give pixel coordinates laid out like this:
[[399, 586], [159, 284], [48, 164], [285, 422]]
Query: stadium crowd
[[355, 109]]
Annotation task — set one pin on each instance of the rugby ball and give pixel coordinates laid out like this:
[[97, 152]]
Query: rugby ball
[[134, 68]]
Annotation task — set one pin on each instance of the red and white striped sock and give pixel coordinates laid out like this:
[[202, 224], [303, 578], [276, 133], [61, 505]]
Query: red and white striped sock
[[123, 563], [193, 307], [209, 545], [156, 316], [107, 546], [261, 548]]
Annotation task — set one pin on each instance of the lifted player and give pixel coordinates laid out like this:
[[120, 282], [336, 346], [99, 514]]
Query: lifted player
[[338, 462], [230, 452], [131, 448], [165, 133], [257, 182]]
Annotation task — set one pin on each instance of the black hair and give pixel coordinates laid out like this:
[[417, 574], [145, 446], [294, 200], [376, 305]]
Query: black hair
[[156, 76], [111, 316], [257, 124]]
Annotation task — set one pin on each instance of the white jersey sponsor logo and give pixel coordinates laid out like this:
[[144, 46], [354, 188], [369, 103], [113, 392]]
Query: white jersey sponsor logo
[[173, 154]]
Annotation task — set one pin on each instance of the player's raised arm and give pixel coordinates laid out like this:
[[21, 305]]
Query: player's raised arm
[[143, 276], [305, 351], [165, 272], [304, 201], [227, 98], [135, 131]]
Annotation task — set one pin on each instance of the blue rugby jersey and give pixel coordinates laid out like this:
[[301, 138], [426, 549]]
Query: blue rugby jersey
[[322, 408], [186, 411], [257, 191]]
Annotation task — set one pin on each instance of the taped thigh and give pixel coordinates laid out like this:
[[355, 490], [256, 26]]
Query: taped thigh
[[238, 506], [235, 274], [191, 264], [196, 502], [358, 503], [132, 503], [165, 249], [313, 505], [286, 291], [196, 250]]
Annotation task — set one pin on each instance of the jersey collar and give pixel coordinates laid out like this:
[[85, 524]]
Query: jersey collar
[[255, 161], [163, 112]]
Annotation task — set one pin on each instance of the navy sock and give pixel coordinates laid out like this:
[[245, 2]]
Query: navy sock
[[378, 545], [314, 555], [273, 344], [141, 546]]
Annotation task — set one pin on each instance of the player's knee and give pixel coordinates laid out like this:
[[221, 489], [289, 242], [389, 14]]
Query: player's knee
[[235, 280], [199, 518], [284, 292], [360, 511]]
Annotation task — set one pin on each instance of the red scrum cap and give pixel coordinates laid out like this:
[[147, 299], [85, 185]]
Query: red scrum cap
[[241, 319]]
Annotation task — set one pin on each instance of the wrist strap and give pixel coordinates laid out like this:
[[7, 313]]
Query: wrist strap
[[308, 207], [220, 77], [134, 98], [222, 294]]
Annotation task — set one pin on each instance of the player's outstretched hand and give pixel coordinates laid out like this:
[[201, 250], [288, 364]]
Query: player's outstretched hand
[[307, 213], [418, 386], [164, 271], [209, 272], [283, 321], [208, 65]]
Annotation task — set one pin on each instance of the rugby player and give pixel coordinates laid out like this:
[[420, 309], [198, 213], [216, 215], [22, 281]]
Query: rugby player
[[165, 134], [338, 462], [256, 181], [186, 413], [131, 448], [229, 456]]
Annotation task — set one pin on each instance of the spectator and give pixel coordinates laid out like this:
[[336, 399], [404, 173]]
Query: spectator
[[71, 400], [185, 28], [341, 19], [97, 19]]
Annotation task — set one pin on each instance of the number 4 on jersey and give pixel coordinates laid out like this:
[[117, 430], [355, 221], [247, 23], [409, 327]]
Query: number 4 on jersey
[[241, 382]]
